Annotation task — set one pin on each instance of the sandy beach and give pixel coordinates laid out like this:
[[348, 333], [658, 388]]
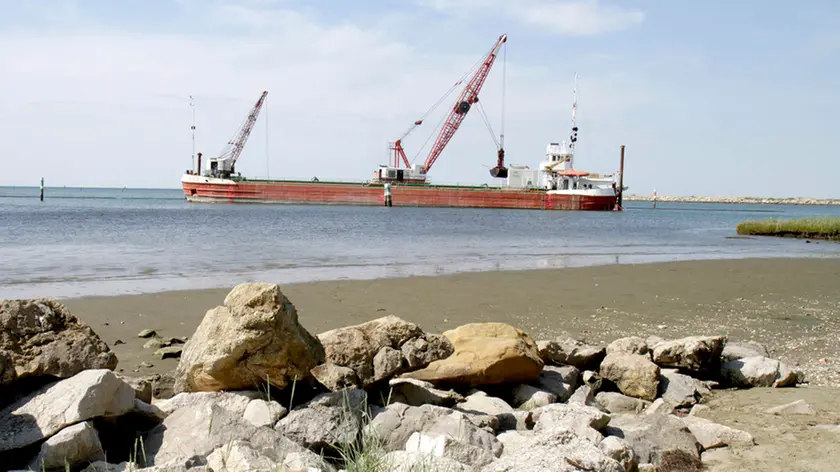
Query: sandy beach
[[790, 305]]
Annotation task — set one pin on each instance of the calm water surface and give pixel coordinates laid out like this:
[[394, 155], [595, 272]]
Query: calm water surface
[[113, 241]]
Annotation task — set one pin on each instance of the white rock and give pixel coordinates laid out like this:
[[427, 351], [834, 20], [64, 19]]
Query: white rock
[[402, 461], [680, 390], [260, 412], [74, 445], [628, 345], [239, 455], [758, 372], [422, 444], [479, 402], [515, 441], [330, 419], [711, 435], [658, 439], [694, 353], [559, 451], [235, 402], [739, 350], [584, 421], [659, 407], [584, 395], [799, 407], [395, 423], [561, 381], [618, 449], [457, 427], [526, 397], [48, 410]]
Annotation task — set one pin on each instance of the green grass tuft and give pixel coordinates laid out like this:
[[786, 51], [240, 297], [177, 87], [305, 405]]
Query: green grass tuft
[[811, 228]]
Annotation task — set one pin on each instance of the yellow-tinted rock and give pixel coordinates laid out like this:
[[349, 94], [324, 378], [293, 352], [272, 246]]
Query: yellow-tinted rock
[[485, 354]]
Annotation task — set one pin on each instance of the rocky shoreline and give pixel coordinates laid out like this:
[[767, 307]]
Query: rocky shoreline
[[734, 200], [253, 390]]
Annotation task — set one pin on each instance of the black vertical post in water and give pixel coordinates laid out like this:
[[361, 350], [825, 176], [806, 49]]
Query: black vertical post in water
[[42, 189], [621, 180]]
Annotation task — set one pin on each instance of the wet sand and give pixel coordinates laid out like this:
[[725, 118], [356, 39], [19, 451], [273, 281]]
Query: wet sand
[[790, 305]]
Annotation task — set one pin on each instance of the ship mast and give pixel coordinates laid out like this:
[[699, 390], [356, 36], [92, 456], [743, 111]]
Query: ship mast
[[573, 135]]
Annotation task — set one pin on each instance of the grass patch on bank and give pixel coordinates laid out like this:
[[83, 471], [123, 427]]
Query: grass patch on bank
[[827, 228]]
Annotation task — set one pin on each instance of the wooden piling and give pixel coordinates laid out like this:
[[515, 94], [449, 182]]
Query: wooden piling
[[42, 189]]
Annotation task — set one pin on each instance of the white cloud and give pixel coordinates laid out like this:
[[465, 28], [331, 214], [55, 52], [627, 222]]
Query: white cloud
[[575, 18]]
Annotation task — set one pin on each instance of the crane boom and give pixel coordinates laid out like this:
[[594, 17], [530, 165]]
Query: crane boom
[[465, 101], [224, 164]]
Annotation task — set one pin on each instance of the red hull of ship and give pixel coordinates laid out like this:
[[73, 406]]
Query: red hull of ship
[[361, 194]]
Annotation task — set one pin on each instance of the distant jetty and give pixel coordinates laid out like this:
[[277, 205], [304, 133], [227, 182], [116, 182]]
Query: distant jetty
[[746, 200]]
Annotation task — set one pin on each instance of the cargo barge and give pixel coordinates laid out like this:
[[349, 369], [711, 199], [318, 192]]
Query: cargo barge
[[554, 185]]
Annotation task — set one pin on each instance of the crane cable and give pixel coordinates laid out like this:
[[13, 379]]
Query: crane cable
[[449, 92]]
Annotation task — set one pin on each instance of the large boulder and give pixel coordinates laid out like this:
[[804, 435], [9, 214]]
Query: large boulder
[[584, 421], [694, 353], [558, 451], [235, 402], [628, 345], [53, 407], [438, 445], [485, 354], [261, 412], [635, 375], [757, 371], [329, 421], [251, 340], [461, 431], [479, 406], [618, 449], [356, 347], [40, 338], [661, 440]]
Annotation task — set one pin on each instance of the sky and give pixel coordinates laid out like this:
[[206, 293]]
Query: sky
[[709, 98]]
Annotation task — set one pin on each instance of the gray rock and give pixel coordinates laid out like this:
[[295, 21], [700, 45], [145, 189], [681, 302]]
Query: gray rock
[[260, 412], [146, 333], [239, 455], [421, 351], [561, 381], [335, 377], [72, 446], [712, 435], [617, 403], [659, 407], [235, 402], [387, 363], [591, 379], [40, 338], [479, 407], [583, 396], [694, 353], [196, 431], [635, 375], [584, 421], [739, 350], [618, 449], [799, 407], [155, 343], [628, 345], [526, 397], [150, 412], [329, 420], [456, 426], [142, 387], [515, 441], [558, 451], [171, 352], [402, 461], [757, 372], [662, 440], [395, 423], [439, 445], [680, 390], [518, 420], [48, 410], [581, 355], [417, 392], [356, 346]]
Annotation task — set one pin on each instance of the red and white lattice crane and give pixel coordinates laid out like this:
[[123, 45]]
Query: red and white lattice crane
[[468, 98]]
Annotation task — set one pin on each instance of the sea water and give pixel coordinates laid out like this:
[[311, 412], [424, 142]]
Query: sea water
[[81, 242]]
